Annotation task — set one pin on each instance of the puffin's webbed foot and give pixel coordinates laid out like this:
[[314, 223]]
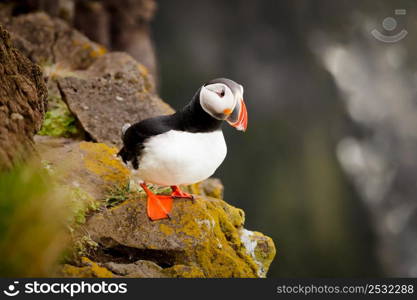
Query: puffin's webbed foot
[[158, 206], [177, 193]]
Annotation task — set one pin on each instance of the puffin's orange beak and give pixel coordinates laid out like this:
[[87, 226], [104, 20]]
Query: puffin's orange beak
[[239, 117]]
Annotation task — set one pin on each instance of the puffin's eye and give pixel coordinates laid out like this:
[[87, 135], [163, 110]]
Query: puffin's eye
[[222, 94]]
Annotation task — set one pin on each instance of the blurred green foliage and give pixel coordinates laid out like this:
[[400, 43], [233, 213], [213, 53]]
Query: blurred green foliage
[[33, 232]]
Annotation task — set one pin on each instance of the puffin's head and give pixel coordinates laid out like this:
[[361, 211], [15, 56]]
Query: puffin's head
[[222, 99]]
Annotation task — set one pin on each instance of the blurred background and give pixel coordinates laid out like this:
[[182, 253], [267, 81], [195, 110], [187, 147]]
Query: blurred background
[[327, 166]]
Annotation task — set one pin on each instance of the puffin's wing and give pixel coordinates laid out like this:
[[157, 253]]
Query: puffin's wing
[[135, 136]]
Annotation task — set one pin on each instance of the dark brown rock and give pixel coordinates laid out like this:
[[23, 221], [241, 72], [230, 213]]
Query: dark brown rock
[[138, 269], [49, 41], [115, 90], [22, 102]]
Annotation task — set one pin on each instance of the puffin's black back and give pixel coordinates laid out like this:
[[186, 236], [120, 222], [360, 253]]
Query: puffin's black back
[[192, 118]]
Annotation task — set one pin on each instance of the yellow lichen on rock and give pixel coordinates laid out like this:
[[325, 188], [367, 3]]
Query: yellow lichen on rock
[[100, 159], [212, 188], [260, 248], [91, 168], [88, 269], [166, 229], [183, 271], [222, 254], [265, 252], [143, 70], [98, 271], [203, 237], [99, 51]]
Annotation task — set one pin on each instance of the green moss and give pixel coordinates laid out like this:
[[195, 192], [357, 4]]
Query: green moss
[[59, 121], [80, 205]]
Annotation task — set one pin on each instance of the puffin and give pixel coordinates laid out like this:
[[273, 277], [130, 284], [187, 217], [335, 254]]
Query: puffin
[[185, 147]]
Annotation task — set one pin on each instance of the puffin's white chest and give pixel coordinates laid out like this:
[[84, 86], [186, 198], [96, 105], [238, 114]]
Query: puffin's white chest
[[178, 157]]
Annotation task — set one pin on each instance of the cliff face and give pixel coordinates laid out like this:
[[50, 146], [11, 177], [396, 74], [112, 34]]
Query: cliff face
[[22, 102], [111, 235]]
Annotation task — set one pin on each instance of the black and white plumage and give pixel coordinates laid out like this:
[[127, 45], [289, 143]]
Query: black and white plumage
[[187, 146]]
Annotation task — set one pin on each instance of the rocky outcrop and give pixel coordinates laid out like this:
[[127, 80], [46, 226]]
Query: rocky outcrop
[[203, 238], [22, 102], [90, 168], [101, 91], [113, 91], [59, 50], [49, 41]]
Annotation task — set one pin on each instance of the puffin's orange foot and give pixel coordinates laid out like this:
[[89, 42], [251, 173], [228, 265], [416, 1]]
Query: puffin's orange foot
[[177, 193], [158, 206]]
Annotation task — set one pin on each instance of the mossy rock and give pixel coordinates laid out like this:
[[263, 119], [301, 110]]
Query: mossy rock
[[88, 269], [203, 238], [59, 121], [88, 169]]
